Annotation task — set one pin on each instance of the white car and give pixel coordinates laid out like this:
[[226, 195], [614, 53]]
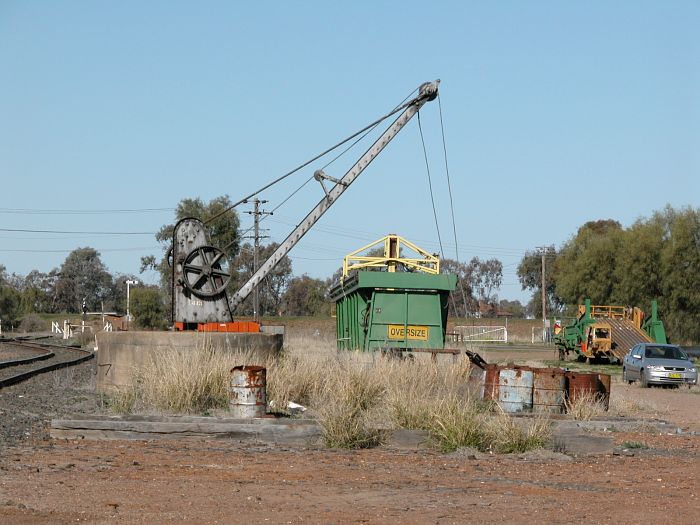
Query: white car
[[657, 364]]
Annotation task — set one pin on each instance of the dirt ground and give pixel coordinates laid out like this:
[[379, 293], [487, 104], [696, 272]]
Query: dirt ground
[[652, 477]]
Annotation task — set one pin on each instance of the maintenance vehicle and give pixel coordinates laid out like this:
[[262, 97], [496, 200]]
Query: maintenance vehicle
[[607, 333]]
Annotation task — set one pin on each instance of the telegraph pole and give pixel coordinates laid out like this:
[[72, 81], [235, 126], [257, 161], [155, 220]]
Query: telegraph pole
[[257, 213]]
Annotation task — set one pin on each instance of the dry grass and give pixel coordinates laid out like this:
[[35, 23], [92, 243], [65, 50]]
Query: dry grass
[[347, 407], [356, 397], [179, 381], [585, 407], [508, 435], [123, 401]]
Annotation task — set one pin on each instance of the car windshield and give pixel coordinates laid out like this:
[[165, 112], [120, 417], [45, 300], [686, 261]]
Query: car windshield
[[664, 352]]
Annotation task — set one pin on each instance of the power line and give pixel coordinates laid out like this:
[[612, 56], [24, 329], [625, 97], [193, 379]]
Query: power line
[[49, 211], [134, 249], [367, 128], [25, 230]]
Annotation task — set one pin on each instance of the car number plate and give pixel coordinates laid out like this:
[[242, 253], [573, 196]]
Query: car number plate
[[674, 376]]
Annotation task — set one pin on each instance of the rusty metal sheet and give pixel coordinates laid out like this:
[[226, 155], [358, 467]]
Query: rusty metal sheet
[[580, 384], [549, 390], [515, 389]]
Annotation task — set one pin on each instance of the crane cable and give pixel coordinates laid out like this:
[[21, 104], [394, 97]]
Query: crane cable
[[432, 199], [452, 208], [362, 134], [367, 128], [430, 186]]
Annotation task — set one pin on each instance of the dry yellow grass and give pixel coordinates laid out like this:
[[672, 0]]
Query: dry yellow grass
[[585, 407], [355, 396]]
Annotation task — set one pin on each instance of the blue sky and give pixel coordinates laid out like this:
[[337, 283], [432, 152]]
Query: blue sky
[[555, 113]]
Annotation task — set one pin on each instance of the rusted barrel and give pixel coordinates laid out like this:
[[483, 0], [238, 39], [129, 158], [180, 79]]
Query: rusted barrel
[[515, 389], [509, 386], [248, 392], [588, 384], [548, 390]]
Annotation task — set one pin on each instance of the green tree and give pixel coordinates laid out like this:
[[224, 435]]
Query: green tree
[[39, 292], [146, 305], [462, 302], [511, 308], [585, 266], [486, 278], [637, 278], [680, 268], [271, 289], [530, 277], [82, 276], [306, 296], [10, 300]]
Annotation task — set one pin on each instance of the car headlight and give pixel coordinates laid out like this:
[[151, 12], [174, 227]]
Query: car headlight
[[692, 369], [656, 368]]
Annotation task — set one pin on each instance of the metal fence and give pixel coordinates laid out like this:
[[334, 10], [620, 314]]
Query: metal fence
[[480, 334]]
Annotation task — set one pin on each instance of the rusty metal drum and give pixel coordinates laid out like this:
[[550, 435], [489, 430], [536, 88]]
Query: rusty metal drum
[[248, 392], [549, 389], [588, 384], [515, 389]]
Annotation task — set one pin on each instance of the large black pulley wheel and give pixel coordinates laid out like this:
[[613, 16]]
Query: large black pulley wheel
[[206, 271]]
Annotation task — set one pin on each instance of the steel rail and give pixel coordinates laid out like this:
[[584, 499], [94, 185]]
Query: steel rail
[[86, 355]]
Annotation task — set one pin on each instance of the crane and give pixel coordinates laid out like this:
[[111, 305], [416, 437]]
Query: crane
[[201, 271]]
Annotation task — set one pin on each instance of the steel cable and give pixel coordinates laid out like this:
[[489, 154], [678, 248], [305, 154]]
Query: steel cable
[[367, 128], [452, 208]]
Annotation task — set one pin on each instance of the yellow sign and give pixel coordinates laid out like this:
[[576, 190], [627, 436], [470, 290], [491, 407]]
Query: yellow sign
[[417, 333]]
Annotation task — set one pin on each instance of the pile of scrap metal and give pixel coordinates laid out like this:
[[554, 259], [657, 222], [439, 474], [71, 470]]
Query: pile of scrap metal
[[518, 388]]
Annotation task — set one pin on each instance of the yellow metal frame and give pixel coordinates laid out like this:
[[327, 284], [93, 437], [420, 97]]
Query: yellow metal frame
[[426, 263], [615, 312]]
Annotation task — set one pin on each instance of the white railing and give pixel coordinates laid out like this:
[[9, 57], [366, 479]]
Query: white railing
[[481, 334]]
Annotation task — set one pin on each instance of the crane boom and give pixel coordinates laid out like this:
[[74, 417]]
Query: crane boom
[[426, 92]]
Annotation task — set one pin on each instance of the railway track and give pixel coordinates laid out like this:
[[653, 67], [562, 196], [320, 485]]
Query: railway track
[[21, 359]]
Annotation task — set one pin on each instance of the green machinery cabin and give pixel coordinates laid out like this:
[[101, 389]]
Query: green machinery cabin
[[390, 301]]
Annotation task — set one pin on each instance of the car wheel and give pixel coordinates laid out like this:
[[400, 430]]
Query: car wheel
[[643, 380]]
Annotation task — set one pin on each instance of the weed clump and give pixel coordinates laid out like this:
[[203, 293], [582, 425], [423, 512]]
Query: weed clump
[[347, 408], [585, 406]]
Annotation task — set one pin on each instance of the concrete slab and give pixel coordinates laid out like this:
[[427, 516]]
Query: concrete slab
[[568, 437], [408, 439], [120, 353], [275, 431]]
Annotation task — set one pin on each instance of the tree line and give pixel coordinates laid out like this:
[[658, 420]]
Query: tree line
[[83, 276], [657, 257]]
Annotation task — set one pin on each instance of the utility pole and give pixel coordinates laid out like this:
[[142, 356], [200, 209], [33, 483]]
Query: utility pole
[[543, 251], [257, 213]]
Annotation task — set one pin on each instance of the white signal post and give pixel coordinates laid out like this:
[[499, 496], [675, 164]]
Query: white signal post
[[128, 283]]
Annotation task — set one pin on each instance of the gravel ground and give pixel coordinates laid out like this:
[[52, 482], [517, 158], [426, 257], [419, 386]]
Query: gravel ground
[[27, 408], [653, 479]]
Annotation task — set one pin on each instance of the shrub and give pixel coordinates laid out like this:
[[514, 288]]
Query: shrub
[[189, 381], [585, 406], [346, 407], [508, 435], [32, 323]]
